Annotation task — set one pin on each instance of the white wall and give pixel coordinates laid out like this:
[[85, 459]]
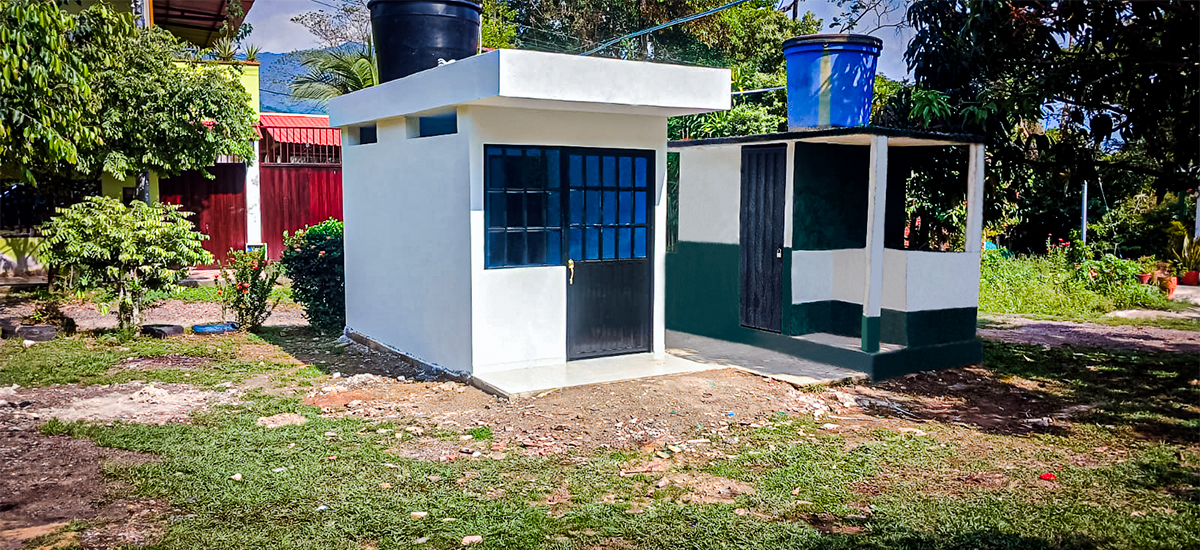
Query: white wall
[[710, 188], [408, 253], [931, 280], [519, 314]]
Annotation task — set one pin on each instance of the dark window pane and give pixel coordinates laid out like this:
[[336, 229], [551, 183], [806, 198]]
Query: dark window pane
[[554, 247], [535, 247], [553, 167], [495, 171], [639, 207], [496, 207], [593, 171], [576, 250], [593, 207], [533, 153], [535, 210], [639, 172], [514, 173], [624, 242], [592, 251], [626, 178], [516, 209], [626, 208], [495, 254], [576, 205], [515, 152], [554, 209], [535, 170], [610, 171], [516, 248], [575, 171], [610, 207], [639, 242], [609, 250]]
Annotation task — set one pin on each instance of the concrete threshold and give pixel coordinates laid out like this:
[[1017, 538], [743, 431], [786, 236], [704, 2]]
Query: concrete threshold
[[764, 362], [530, 381]]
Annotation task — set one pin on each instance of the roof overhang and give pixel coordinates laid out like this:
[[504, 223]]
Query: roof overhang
[[858, 135], [196, 21], [539, 80]]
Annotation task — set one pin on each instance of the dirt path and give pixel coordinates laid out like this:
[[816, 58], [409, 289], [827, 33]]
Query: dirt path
[[1020, 330], [175, 312]]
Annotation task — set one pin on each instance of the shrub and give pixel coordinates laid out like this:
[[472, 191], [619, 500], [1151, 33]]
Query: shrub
[[124, 251], [1051, 285], [313, 259], [245, 286]]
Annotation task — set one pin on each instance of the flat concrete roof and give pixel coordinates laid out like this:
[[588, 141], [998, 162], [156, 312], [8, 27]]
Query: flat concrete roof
[[858, 135], [540, 80]]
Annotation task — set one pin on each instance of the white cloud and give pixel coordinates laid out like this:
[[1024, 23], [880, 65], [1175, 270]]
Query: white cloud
[[273, 28]]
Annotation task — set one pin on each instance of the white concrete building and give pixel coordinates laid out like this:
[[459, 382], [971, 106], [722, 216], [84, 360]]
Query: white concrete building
[[506, 212]]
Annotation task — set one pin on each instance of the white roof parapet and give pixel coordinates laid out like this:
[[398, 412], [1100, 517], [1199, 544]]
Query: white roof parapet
[[529, 79]]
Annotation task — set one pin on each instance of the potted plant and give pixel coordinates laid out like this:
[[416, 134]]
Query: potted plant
[[1187, 257], [1146, 267]]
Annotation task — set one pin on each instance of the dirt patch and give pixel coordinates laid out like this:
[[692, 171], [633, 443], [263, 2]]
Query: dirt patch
[[706, 488], [619, 415], [132, 402], [127, 523], [173, 312], [266, 352], [970, 397], [1019, 330], [46, 480]]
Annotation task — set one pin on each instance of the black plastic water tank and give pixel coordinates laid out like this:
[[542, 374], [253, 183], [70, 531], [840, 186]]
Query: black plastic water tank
[[412, 35]]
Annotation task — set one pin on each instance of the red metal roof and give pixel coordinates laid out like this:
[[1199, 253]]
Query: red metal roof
[[289, 128]]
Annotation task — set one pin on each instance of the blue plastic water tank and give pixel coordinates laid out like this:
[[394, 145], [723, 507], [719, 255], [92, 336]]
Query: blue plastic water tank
[[830, 79]]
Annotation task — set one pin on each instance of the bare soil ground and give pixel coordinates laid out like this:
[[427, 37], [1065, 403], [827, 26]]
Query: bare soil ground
[[1020, 330], [174, 312]]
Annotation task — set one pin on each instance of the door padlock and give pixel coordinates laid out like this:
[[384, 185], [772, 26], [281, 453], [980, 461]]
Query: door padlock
[[571, 268], [779, 252]]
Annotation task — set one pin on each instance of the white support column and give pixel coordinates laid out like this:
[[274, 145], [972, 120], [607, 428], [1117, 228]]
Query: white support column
[[254, 232], [876, 208], [789, 194], [1196, 233], [975, 169]]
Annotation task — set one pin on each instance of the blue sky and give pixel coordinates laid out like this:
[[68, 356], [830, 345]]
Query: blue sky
[[274, 31]]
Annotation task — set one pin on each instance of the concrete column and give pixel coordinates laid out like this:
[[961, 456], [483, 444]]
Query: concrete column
[[789, 194], [254, 232], [1196, 232], [975, 169], [876, 207]]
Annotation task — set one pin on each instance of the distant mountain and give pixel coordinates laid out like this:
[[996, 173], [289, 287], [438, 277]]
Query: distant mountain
[[276, 72]]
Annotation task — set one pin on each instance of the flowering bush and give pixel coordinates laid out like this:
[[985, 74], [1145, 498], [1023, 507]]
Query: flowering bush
[[313, 259], [245, 285]]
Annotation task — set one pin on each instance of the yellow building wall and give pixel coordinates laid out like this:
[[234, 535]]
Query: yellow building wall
[[18, 257], [115, 188]]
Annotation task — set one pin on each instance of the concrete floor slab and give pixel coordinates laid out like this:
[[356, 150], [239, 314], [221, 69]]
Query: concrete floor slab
[[764, 362], [534, 380]]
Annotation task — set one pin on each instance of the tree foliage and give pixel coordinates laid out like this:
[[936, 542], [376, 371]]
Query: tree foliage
[[313, 258], [47, 62], [126, 251], [85, 93], [334, 72], [1103, 92]]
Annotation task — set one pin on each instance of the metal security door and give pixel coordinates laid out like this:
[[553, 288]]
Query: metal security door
[[764, 172], [218, 205], [610, 205]]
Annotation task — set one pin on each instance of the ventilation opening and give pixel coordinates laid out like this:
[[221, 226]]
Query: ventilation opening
[[433, 125], [367, 134]]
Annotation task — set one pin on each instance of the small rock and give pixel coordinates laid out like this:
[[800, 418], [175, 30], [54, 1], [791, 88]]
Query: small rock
[[421, 540], [278, 470], [830, 427], [913, 431], [448, 520], [354, 404], [236, 477], [419, 515], [741, 511], [434, 479], [471, 539], [803, 503], [662, 483], [322, 508], [467, 437], [385, 485]]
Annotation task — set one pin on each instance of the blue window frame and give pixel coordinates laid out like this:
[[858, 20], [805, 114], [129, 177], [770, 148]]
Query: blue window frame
[[543, 205]]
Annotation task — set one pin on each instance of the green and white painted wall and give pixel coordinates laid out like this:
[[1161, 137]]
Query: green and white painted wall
[[845, 270]]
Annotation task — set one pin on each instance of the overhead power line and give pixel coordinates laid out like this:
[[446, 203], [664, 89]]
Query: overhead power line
[[684, 19]]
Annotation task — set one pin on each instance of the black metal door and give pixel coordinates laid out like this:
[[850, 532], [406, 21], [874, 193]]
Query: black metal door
[[764, 173], [609, 246]]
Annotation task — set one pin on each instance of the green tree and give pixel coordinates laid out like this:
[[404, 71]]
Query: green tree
[[125, 251], [47, 62], [164, 115], [331, 73]]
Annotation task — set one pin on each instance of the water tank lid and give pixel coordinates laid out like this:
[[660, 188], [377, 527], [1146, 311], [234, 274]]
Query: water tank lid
[[464, 3], [860, 39]]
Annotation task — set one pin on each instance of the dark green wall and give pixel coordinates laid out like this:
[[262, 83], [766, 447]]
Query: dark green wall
[[830, 201]]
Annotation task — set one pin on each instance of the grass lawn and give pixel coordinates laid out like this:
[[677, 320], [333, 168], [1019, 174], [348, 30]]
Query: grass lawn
[[1125, 469]]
